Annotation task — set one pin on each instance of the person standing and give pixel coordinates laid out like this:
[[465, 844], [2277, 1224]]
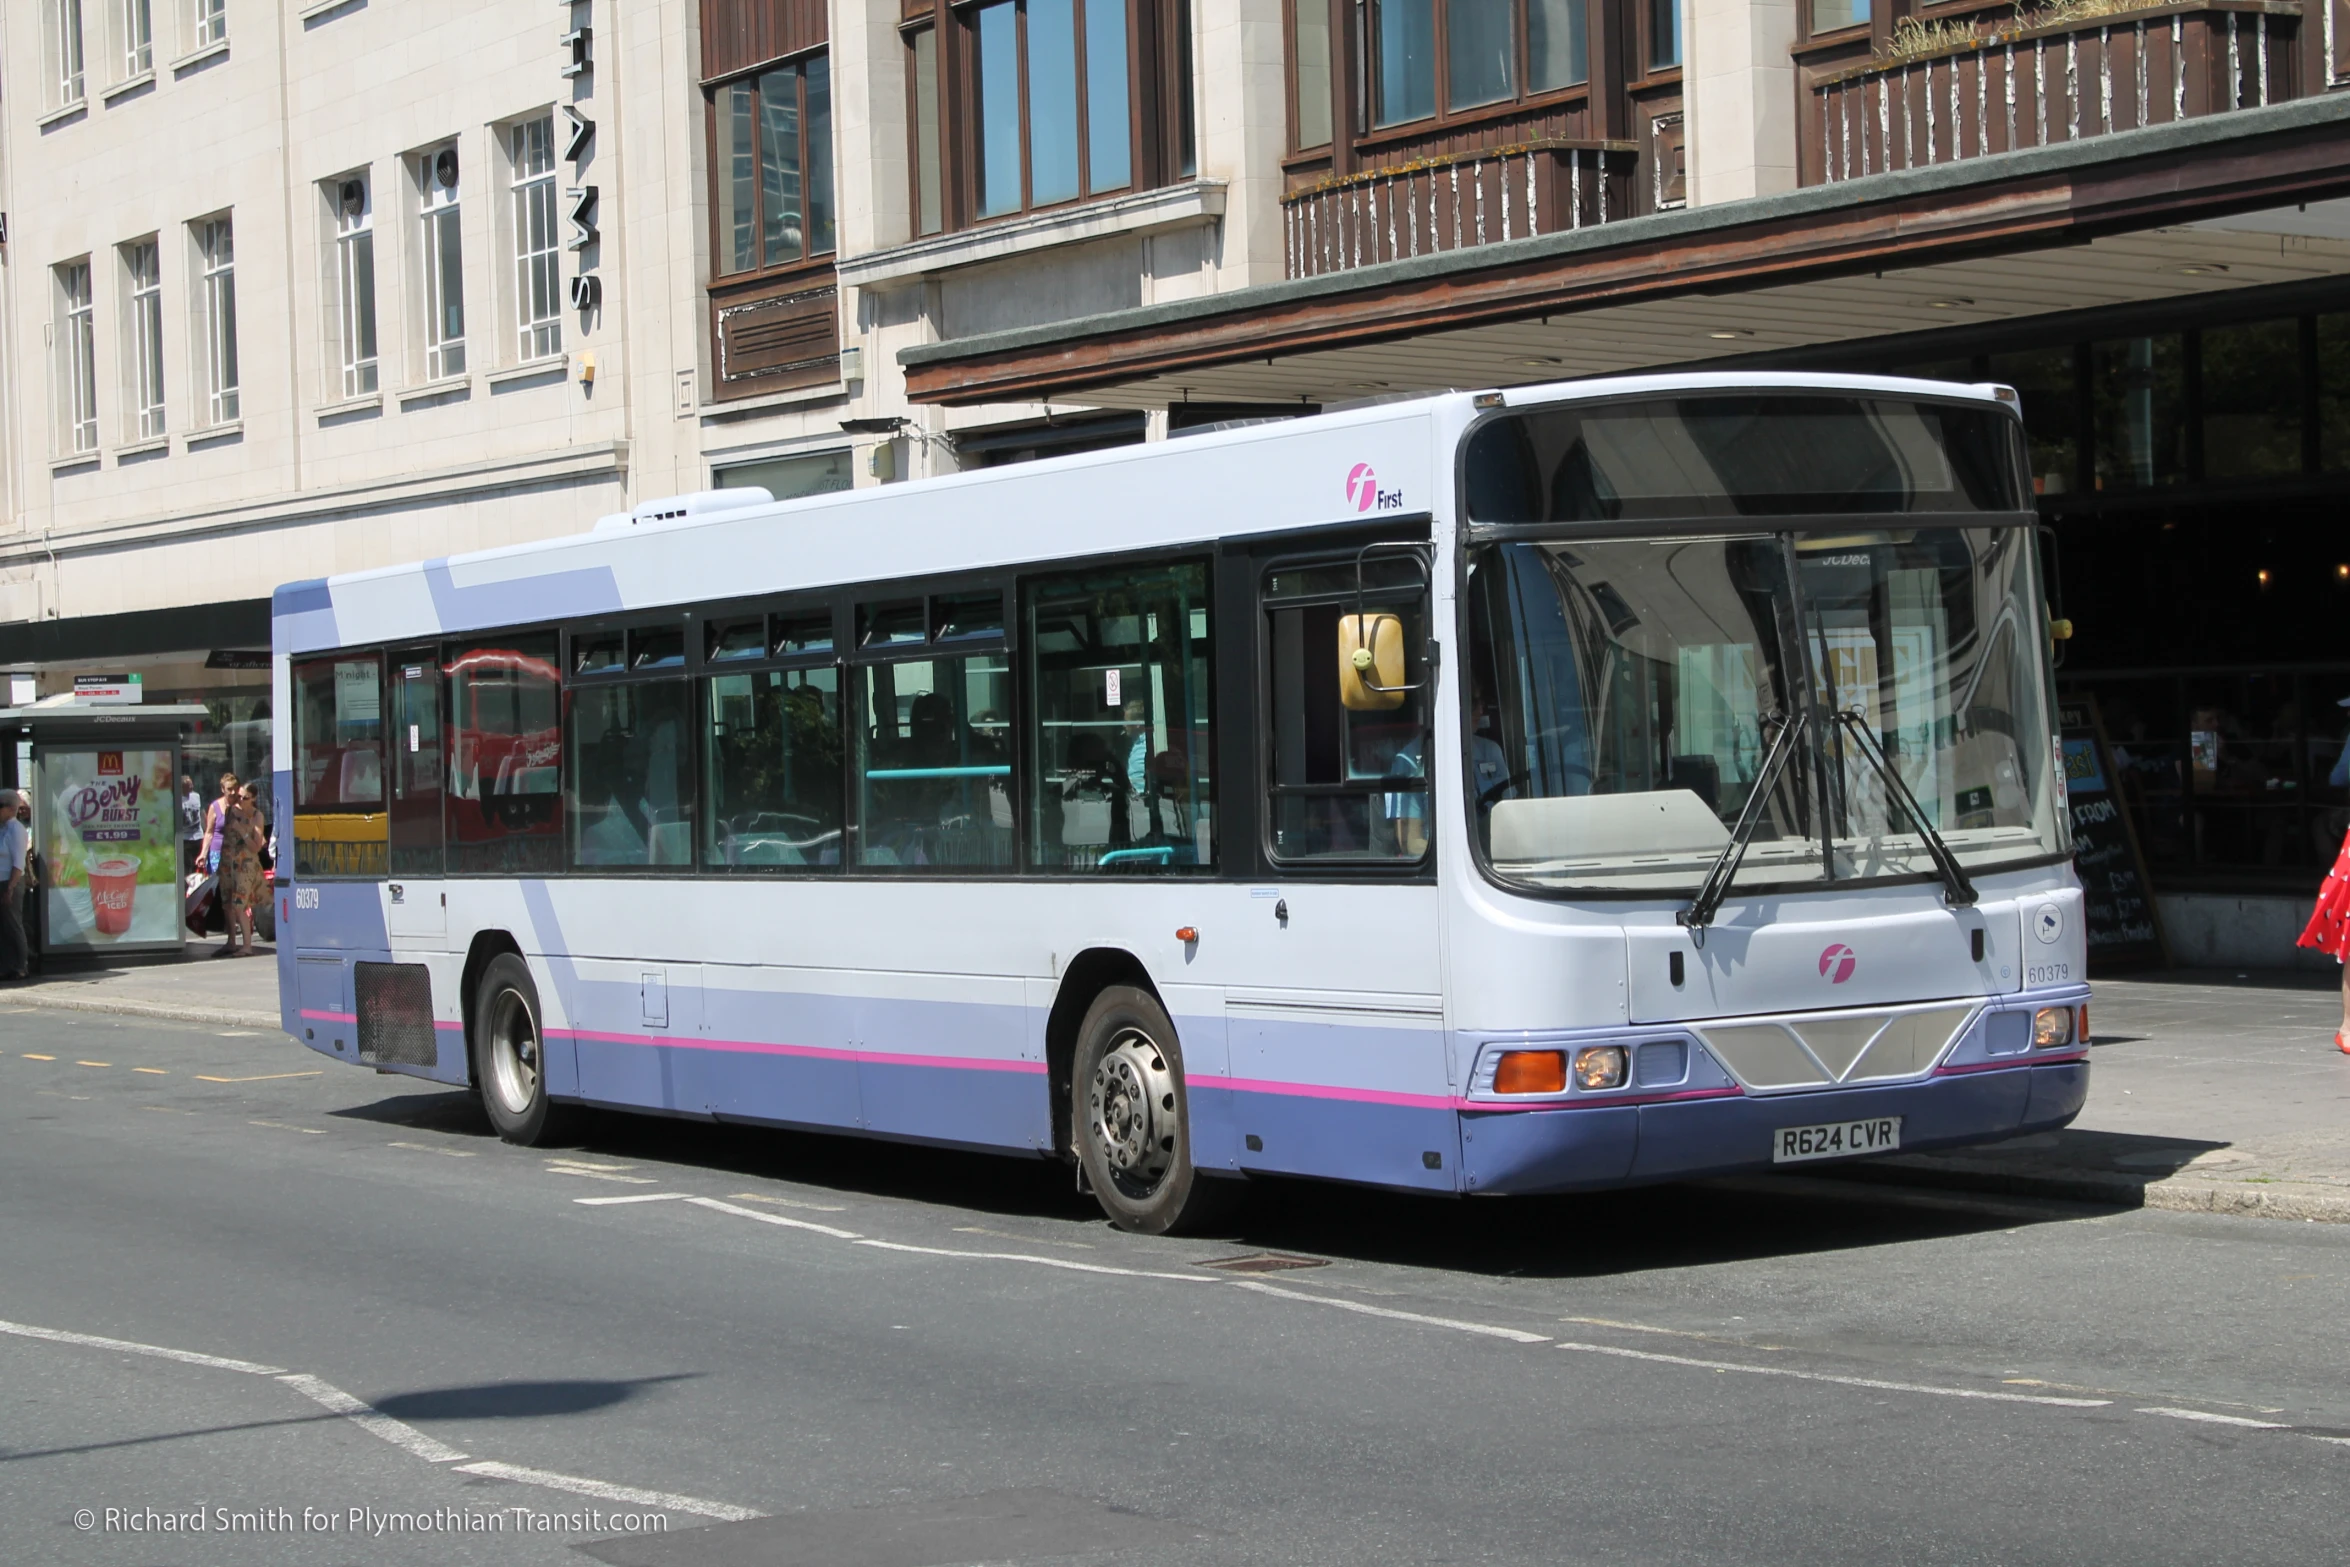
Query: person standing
[[240, 867], [15, 855], [2328, 930], [191, 824], [208, 845]]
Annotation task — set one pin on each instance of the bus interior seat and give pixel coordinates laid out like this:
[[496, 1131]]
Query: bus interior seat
[[1583, 826], [672, 843], [767, 851]]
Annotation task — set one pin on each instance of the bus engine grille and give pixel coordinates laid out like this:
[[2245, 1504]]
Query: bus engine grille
[[395, 1014]]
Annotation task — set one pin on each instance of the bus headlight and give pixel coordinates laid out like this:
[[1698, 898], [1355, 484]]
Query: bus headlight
[[2052, 1027], [1531, 1072], [1600, 1066]]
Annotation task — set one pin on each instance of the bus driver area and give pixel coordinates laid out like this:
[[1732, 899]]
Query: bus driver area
[[1672, 797]]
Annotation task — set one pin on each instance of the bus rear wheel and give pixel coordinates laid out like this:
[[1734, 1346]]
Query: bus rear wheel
[[1132, 1131], [509, 1056]]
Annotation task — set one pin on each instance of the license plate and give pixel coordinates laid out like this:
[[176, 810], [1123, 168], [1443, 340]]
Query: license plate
[[1836, 1140]]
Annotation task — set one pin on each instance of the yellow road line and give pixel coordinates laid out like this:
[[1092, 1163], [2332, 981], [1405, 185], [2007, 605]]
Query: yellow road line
[[29, 1056], [266, 1077], [168, 1109], [93, 1063], [151, 1071]]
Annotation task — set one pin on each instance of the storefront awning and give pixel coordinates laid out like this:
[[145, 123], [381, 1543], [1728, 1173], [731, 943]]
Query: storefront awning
[[2203, 206]]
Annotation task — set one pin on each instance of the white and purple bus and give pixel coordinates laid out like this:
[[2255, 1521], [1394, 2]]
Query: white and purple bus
[[1529, 791]]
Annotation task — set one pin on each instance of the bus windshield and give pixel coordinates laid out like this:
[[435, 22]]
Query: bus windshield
[[1626, 694]]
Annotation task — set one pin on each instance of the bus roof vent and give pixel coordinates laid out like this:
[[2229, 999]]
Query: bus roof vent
[[673, 508]]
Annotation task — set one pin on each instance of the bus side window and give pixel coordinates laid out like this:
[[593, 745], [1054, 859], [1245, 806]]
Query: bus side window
[[340, 828], [772, 741], [933, 760], [1346, 785], [505, 756], [1122, 776], [632, 775]]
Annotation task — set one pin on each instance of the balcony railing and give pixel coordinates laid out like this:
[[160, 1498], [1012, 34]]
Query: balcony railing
[[1433, 205], [2029, 86]]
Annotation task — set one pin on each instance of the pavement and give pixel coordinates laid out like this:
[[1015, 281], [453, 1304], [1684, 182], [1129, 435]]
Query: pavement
[[332, 1308], [2211, 1091]]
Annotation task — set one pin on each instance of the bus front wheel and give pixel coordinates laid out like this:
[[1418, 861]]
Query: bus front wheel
[[1132, 1129], [509, 1056]]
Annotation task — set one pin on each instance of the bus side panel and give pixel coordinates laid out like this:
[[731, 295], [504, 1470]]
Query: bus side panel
[[625, 1019], [779, 1047], [945, 1058], [1202, 1034], [1327, 1092], [333, 924]]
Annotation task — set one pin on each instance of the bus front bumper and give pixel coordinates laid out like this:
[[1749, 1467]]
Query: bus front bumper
[[1600, 1145]]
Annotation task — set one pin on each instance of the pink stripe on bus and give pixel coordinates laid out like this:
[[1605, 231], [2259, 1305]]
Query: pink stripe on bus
[[330, 1017], [813, 1052], [1368, 1096]]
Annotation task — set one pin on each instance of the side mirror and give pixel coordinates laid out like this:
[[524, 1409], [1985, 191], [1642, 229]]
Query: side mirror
[[1370, 662]]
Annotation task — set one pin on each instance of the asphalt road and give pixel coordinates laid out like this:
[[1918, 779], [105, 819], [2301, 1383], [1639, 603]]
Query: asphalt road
[[388, 1334]]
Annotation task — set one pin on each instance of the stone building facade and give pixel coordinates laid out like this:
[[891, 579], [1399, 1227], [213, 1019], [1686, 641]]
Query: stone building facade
[[292, 287]]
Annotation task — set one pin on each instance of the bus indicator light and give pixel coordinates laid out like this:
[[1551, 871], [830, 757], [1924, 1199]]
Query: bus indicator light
[[1531, 1072], [1187, 934]]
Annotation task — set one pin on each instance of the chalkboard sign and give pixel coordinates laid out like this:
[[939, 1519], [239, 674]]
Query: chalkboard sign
[[2124, 930]]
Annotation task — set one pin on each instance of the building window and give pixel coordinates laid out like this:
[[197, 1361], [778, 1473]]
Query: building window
[[62, 21], [1309, 73], [207, 23], [789, 478], [538, 260], [1664, 34], [216, 305], [774, 166], [143, 338], [443, 253], [77, 359], [929, 175], [1022, 104], [136, 20], [1492, 51], [1833, 16], [355, 282]]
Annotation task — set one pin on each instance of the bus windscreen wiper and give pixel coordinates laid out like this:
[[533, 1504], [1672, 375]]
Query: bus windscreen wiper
[[1708, 902], [1957, 891]]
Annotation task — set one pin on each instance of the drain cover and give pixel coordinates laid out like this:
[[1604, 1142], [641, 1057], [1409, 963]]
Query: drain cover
[[1264, 1262]]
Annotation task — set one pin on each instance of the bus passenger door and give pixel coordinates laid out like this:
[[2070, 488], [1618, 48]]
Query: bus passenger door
[[416, 899]]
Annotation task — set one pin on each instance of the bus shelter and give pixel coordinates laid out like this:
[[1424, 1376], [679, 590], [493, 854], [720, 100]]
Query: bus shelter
[[105, 823]]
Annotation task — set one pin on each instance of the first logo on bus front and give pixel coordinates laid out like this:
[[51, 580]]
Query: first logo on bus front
[[1363, 492]]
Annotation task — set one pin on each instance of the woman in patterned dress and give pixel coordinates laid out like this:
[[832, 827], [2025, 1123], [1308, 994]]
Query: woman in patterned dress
[[240, 866]]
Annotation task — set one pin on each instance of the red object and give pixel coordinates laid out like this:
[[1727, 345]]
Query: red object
[[114, 886], [2329, 924]]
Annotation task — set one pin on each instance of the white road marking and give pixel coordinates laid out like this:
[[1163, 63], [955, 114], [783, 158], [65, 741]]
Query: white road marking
[[453, 1153], [667, 1500], [281, 1126], [371, 1419], [774, 1218], [1822, 1376], [606, 1202], [599, 1175], [1485, 1329], [588, 1164], [397, 1432], [1063, 1263], [788, 1202], [2205, 1417], [184, 1356]]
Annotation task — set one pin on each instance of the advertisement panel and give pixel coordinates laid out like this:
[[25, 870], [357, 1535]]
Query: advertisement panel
[[108, 830]]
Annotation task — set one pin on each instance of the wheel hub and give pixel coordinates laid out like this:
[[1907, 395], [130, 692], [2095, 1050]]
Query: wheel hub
[[514, 1054], [1135, 1119]]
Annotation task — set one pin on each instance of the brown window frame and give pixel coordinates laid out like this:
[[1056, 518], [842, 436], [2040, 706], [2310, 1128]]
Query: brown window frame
[[1161, 139], [809, 259]]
